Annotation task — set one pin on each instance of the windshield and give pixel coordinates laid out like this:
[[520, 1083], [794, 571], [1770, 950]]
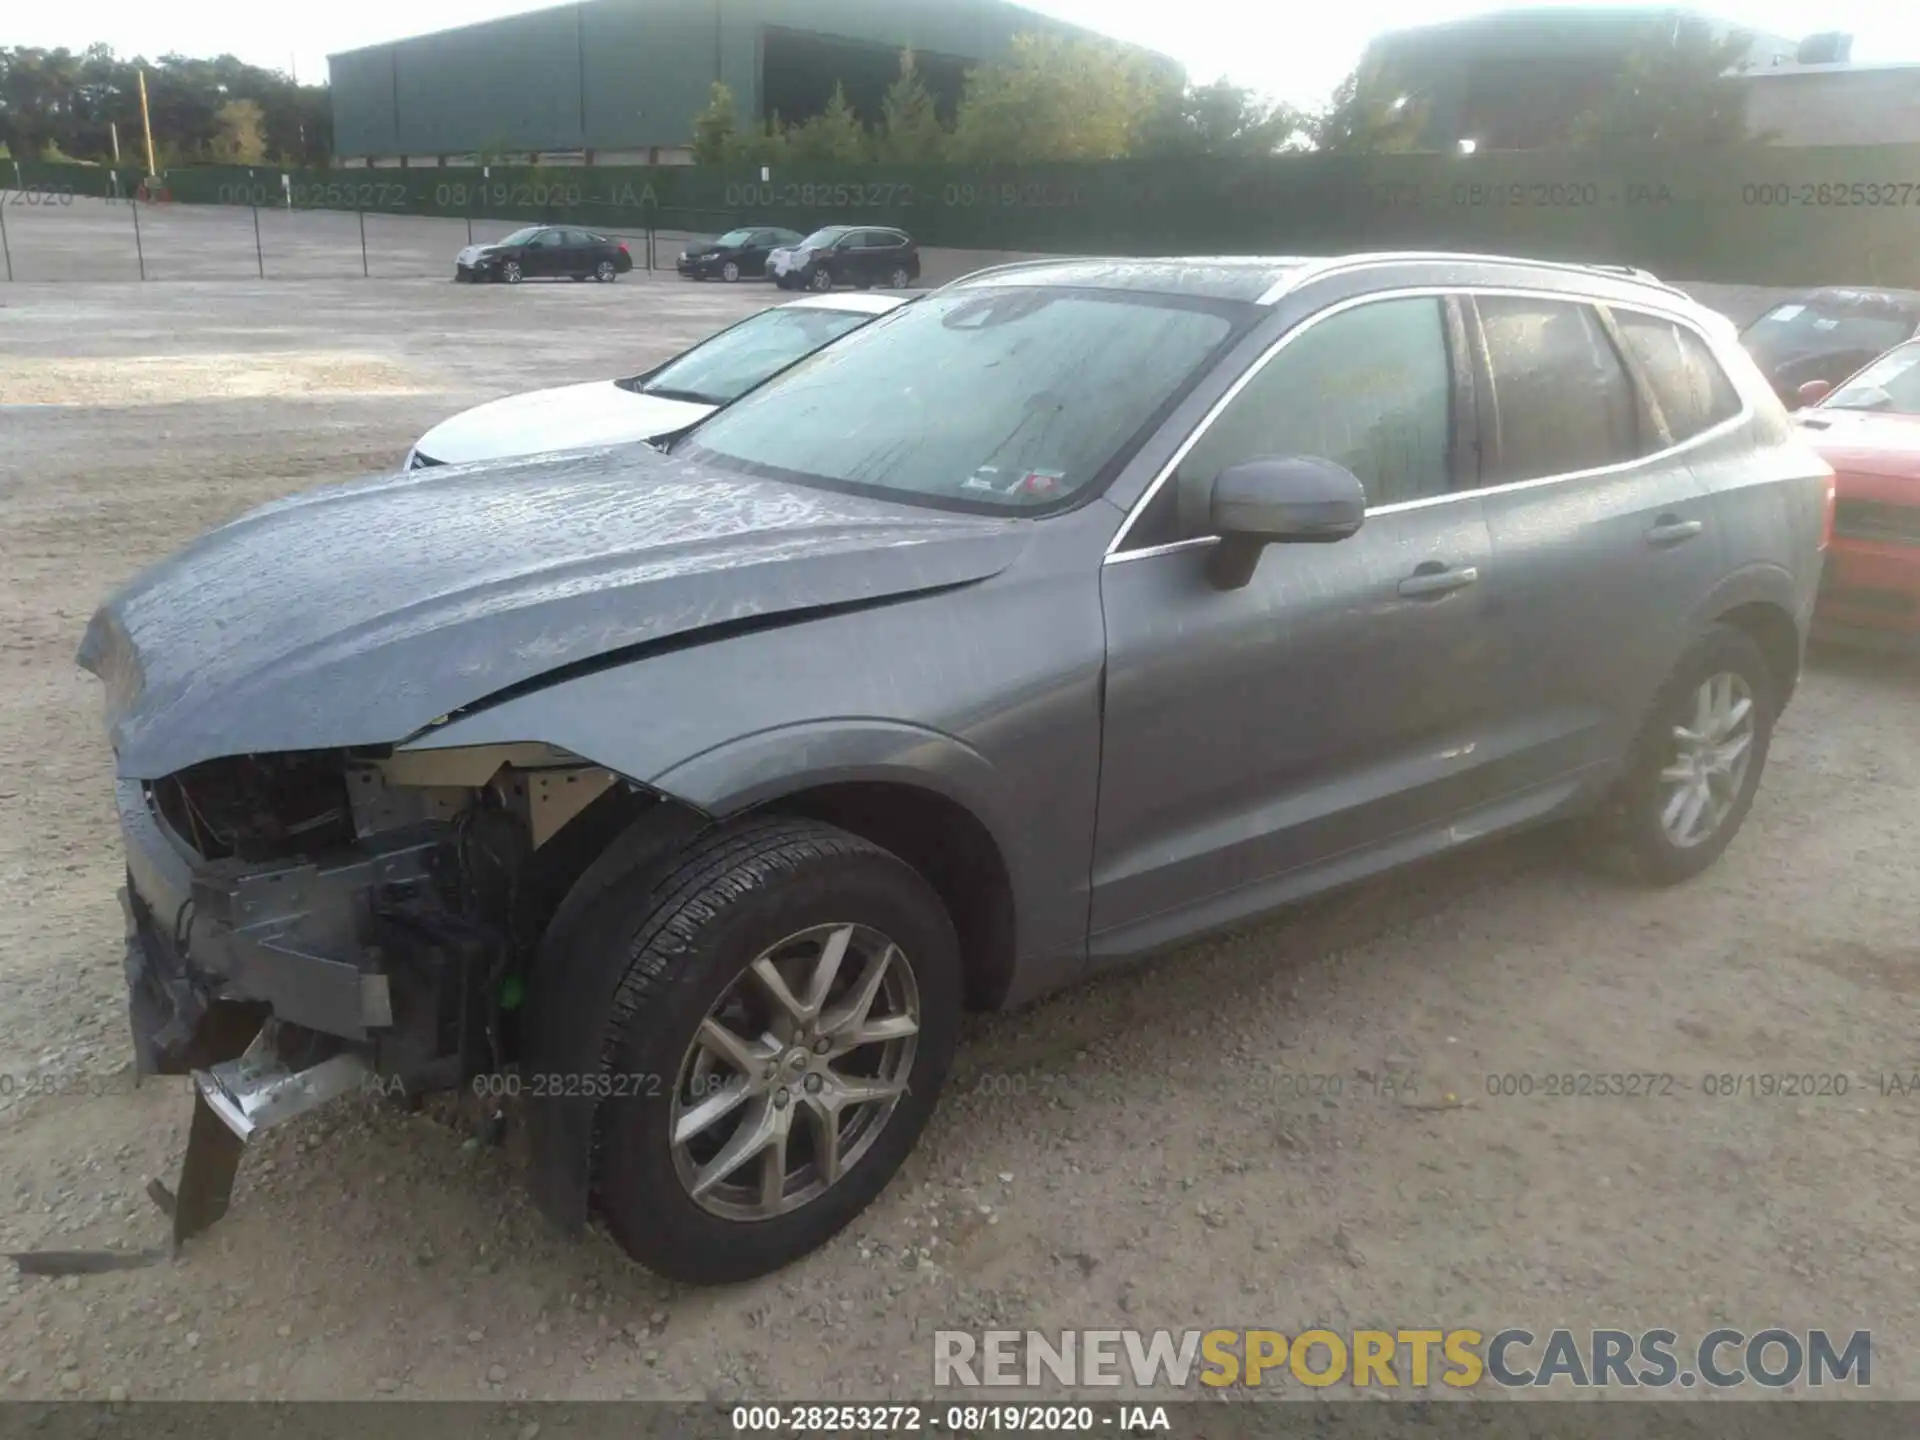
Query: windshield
[[724, 368], [1891, 383], [998, 399], [734, 237], [821, 239], [520, 237], [1811, 327]]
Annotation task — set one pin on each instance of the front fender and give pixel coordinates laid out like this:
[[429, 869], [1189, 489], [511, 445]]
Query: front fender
[[753, 769], [960, 693]]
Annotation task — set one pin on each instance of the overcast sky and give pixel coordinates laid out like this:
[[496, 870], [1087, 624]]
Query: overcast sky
[[1297, 56]]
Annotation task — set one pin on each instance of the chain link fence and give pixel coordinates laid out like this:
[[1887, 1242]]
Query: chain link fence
[[48, 234]]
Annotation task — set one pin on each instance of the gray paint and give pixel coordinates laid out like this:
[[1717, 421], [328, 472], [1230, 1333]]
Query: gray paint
[[1153, 756], [357, 614]]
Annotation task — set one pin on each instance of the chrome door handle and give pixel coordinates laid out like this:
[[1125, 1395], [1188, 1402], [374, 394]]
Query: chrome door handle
[[1425, 584], [1671, 530]]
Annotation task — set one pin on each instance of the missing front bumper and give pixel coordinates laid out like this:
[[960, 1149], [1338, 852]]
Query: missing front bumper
[[233, 1101]]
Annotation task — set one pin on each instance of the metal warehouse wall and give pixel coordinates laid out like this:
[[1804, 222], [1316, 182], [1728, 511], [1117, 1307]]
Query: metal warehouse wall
[[615, 74]]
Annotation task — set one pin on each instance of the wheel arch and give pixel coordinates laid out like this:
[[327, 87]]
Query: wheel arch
[[1762, 602], [919, 793]]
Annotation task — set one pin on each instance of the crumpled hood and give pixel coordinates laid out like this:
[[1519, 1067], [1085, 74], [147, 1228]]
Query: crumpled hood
[[361, 613], [568, 417]]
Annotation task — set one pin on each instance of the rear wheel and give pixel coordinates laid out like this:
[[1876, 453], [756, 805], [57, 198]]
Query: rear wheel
[[796, 990], [1698, 762], [605, 271], [900, 279]]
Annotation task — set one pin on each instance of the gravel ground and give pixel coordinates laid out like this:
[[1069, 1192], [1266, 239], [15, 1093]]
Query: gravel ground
[[1225, 1136]]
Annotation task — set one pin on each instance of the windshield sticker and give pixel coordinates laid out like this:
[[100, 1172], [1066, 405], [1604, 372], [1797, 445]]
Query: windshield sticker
[[987, 477], [1787, 312], [1825, 322], [1038, 484]]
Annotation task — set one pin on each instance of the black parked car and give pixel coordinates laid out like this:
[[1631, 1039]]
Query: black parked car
[[847, 255], [544, 251], [1828, 335], [736, 255]]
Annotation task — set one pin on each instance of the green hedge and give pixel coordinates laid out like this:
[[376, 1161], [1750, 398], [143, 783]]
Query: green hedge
[[1765, 216]]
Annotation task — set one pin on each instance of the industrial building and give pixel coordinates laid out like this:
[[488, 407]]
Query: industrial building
[[1835, 102], [620, 81], [1516, 80]]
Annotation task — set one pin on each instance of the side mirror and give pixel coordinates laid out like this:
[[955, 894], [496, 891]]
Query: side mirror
[[1814, 391], [1273, 500]]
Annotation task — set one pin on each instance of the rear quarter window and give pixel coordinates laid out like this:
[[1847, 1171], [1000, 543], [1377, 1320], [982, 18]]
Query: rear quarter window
[[1688, 383]]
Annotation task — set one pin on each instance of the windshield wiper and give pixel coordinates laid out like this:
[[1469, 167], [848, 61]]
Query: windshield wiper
[[691, 397]]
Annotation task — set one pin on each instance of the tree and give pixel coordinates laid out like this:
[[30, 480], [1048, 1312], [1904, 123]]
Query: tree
[[57, 101], [715, 128], [764, 144], [1053, 98], [910, 129], [1368, 117], [1221, 119], [1678, 90], [243, 133], [833, 137]]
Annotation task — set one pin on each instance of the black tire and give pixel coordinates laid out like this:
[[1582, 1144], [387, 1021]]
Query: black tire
[[684, 933], [1629, 826]]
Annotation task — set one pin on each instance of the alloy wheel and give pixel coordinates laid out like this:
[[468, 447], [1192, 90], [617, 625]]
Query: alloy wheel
[[603, 271], [821, 280], [795, 1071], [1707, 769], [729, 272], [513, 272], [900, 279]]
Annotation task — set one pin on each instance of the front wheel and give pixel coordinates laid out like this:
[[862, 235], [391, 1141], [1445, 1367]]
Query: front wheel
[[797, 992], [510, 272], [730, 272], [1697, 764], [604, 272], [821, 279]]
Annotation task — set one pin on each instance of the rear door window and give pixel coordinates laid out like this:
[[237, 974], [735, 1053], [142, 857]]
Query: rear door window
[[1692, 391], [1559, 398]]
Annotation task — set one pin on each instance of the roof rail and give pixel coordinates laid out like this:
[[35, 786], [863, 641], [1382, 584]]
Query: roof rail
[[1314, 269], [1009, 266]]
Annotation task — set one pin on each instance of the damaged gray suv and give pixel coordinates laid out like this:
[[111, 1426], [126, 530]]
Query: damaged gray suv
[[690, 794]]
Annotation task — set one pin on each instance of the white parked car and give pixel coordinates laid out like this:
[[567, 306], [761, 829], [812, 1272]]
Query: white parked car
[[687, 388]]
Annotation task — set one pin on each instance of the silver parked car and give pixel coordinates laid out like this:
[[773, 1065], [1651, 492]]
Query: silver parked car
[[1081, 608]]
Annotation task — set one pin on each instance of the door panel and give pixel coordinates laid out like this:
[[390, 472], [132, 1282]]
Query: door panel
[[1597, 575], [1594, 606], [1317, 711], [541, 256], [1333, 706]]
